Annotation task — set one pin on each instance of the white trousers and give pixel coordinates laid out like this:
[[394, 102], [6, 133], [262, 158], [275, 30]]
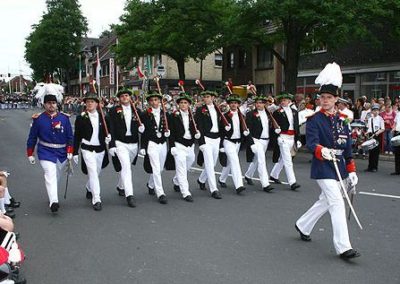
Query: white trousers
[[330, 200], [157, 155], [126, 153], [52, 175], [285, 160], [210, 154], [93, 163], [259, 162], [184, 159], [233, 164]]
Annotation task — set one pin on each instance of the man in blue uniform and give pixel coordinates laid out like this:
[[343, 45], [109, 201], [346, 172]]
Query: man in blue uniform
[[328, 138], [52, 131]]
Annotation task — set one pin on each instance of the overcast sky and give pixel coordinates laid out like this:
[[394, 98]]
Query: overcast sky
[[17, 17]]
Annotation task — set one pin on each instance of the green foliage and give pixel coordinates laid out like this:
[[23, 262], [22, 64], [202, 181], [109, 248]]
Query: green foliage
[[55, 41]]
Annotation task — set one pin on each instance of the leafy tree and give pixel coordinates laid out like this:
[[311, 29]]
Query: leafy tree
[[55, 41], [181, 29]]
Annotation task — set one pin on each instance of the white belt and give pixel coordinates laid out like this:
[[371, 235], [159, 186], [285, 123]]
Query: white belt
[[52, 145], [337, 152]]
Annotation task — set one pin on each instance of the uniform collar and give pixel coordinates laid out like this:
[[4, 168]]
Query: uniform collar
[[51, 116]]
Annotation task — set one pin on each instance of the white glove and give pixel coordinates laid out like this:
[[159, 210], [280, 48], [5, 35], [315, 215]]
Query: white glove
[[141, 128], [327, 154], [76, 159], [228, 127], [173, 151], [299, 144], [142, 152], [280, 140], [246, 133], [202, 147], [108, 139], [167, 133], [112, 151], [353, 179], [6, 174], [69, 156], [32, 160], [278, 131], [222, 150], [197, 135], [253, 148]]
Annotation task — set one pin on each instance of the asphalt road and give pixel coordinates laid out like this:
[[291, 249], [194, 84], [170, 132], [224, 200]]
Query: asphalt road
[[239, 239]]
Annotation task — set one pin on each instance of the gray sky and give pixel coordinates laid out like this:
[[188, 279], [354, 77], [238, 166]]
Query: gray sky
[[17, 16]]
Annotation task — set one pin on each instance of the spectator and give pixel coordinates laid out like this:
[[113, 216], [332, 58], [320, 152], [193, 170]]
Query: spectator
[[358, 108], [388, 117]]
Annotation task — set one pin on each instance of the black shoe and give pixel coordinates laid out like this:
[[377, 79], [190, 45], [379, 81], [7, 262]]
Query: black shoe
[[240, 189], [351, 253], [121, 192], [13, 203], [268, 188], [131, 201], [305, 238], [177, 188], [216, 195], [9, 209], [222, 184], [202, 185], [54, 207], [188, 198], [395, 174], [10, 215], [97, 206], [294, 186], [163, 199], [275, 180], [370, 170], [89, 195], [249, 180], [151, 190]]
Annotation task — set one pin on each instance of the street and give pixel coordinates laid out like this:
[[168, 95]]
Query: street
[[239, 239]]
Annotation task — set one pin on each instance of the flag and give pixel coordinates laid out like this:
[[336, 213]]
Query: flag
[[98, 68], [139, 72]]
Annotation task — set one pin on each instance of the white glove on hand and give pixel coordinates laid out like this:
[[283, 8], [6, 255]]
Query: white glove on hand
[[76, 159], [246, 133], [142, 152], [197, 135], [167, 133], [253, 148], [228, 127], [327, 154], [353, 178], [69, 156], [280, 140], [112, 151], [278, 131], [222, 150], [32, 160], [299, 144], [202, 147], [174, 151], [141, 128], [6, 174], [108, 139]]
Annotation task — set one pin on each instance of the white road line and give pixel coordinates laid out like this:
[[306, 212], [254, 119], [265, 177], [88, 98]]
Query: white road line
[[379, 194]]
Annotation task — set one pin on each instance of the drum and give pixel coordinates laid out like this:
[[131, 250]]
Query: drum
[[395, 141], [369, 144]]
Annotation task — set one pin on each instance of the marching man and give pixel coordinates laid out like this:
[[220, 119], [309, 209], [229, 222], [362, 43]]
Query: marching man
[[287, 137], [183, 133], [124, 130], [208, 120], [91, 138], [154, 144], [328, 138], [231, 143], [258, 123], [52, 131]]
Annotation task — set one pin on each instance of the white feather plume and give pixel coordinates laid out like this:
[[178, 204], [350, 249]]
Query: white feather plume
[[42, 90], [331, 74]]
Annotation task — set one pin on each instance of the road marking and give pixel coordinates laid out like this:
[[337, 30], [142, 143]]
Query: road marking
[[379, 194]]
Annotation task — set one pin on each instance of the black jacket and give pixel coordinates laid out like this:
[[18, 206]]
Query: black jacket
[[254, 124], [204, 123], [178, 130], [118, 126]]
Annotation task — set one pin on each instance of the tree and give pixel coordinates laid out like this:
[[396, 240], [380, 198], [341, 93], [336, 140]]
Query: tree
[[181, 29], [302, 25], [55, 41]]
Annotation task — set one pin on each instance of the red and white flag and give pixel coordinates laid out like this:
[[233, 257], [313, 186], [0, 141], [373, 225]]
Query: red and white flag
[[139, 72], [98, 68]]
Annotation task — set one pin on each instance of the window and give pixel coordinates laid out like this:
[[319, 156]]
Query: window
[[231, 60], [105, 70], [349, 79], [242, 58], [218, 59], [264, 57]]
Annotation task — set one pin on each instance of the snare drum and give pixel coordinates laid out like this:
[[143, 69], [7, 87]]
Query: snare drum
[[395, 141], [369, 144]]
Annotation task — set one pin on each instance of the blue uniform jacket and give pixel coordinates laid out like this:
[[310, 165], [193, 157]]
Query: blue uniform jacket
[[331, 131], [54, 130]]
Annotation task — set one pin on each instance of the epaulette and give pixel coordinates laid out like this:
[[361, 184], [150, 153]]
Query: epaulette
[[66, 114], [36, 115]]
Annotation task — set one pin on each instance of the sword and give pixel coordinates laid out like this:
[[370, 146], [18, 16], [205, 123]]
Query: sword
[[344, 191], [69, 171], [351, 200]]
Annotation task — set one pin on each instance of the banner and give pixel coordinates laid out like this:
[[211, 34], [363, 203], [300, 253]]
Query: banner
[[112, 71]]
